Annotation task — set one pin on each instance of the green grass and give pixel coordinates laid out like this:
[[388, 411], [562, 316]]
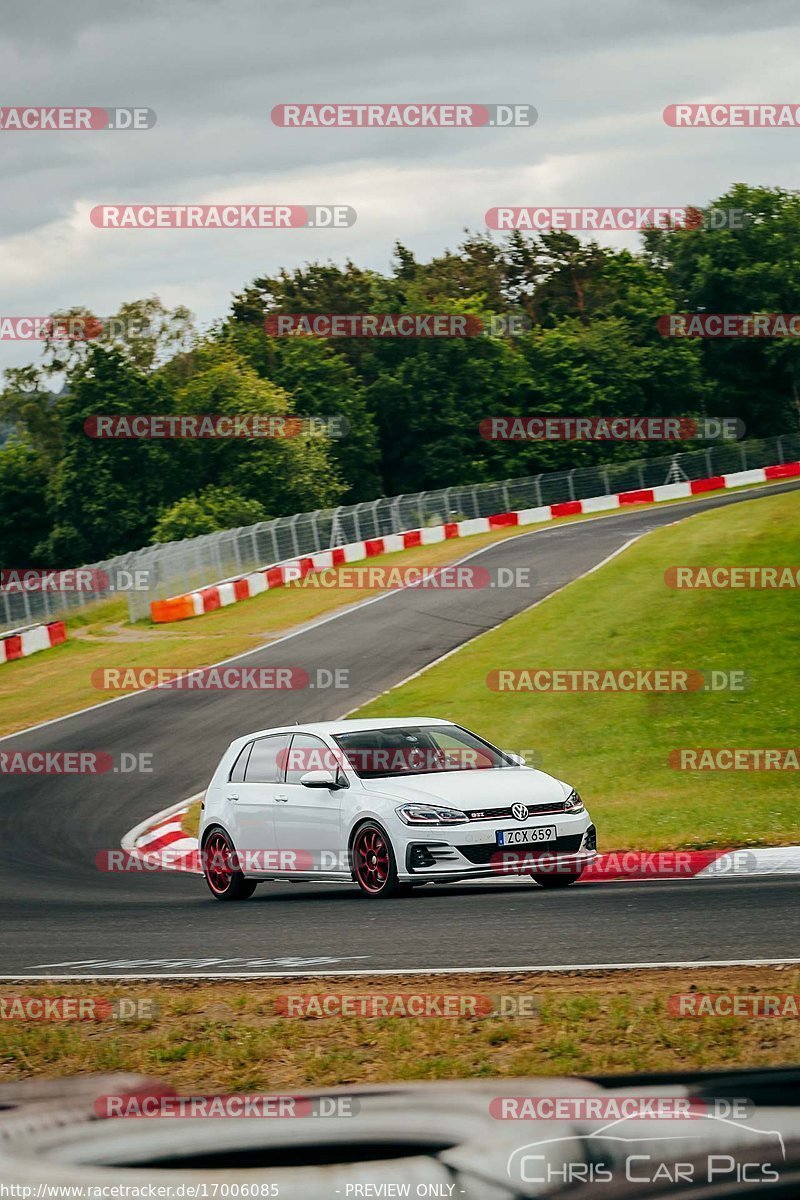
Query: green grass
[[614, 747], [59, 681], [227, 1036]]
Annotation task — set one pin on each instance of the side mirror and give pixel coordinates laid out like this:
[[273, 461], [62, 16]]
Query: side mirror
[[517, 759], [319, 779]]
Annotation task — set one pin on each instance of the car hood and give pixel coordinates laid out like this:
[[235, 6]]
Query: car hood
[[492, 788]]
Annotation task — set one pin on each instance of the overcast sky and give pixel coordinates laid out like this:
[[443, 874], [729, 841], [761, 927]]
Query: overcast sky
[[598, 74]]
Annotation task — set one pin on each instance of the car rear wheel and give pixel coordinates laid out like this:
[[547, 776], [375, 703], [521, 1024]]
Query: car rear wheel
[[225, 882], [374, 866], [556, 880]]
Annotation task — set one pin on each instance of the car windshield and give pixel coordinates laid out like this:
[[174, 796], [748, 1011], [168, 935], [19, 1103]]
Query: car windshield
[[417, 750]]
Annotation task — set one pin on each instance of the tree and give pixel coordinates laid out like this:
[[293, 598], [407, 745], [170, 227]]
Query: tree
[[429, 405], [320, 383], [284, 474], [144, 332], [105, 494], [30, 409], [212, 509], [751, 269], [24, 519]]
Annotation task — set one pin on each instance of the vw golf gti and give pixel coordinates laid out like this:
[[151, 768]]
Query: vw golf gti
[[390, 804]]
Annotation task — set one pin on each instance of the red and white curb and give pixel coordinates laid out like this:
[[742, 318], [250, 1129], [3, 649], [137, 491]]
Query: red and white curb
[[19, 643], [219, 595], [160, 843]]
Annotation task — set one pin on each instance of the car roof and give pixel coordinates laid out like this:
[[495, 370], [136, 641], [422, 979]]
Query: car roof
[[352, 726]]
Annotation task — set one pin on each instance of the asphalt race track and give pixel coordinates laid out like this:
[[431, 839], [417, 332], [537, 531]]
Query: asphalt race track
[[63, 917]]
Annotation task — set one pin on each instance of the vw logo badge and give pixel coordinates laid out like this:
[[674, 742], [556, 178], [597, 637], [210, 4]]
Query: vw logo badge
[[519, 812]]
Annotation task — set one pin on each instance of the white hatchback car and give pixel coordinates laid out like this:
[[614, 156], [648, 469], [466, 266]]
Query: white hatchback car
[[388, 803]]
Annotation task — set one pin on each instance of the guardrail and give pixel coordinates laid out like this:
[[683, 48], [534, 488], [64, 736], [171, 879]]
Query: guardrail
[[182, 567], [230, 591]]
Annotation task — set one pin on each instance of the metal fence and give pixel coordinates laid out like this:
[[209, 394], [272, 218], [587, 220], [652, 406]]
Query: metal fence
[[175, 567]]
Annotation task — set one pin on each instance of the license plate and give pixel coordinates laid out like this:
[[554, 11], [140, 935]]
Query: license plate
[[526, 837]]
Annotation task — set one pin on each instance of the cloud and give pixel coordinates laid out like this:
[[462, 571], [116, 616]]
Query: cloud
[[600, 76]]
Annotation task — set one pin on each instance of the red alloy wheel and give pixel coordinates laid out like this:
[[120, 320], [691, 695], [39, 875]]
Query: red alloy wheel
[[218, 862], [372, 860], [225, 880]]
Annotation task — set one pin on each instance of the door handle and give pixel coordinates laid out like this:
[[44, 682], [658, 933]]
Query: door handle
[[282, 797], [233, 797]]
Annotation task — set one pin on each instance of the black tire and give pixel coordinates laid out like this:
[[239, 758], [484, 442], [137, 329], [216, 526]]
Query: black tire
[[556, 880], [374, 866], [224, 881]]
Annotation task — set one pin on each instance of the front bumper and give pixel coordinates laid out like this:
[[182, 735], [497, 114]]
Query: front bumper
[[471, 851]]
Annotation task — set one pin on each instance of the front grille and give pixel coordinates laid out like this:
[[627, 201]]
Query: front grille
[[482, 855], [535, 810]]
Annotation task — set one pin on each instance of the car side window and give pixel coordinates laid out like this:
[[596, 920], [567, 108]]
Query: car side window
[[237, 774], [266, 762], [310, 753]]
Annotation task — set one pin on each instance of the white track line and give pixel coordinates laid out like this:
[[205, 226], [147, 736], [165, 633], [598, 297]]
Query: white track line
[[463, 645], [559, 968], [546, 528]]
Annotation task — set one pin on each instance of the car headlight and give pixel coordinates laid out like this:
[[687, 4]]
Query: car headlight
[[429, 814], [573, 803]]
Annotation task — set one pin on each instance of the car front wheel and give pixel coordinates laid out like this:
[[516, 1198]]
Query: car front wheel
[[222, 877], [374, 867]]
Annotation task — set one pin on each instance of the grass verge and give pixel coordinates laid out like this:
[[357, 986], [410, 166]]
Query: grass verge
[[59, 681], [228, 1036], [614, 747]]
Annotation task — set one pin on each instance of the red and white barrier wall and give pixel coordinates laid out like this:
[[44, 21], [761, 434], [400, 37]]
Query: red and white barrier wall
[[218, 595], [19, 643]]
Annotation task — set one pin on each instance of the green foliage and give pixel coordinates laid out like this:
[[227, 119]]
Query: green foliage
[[752, 269], [23, 508], [214, 508], [104, 495], [411, 408]]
